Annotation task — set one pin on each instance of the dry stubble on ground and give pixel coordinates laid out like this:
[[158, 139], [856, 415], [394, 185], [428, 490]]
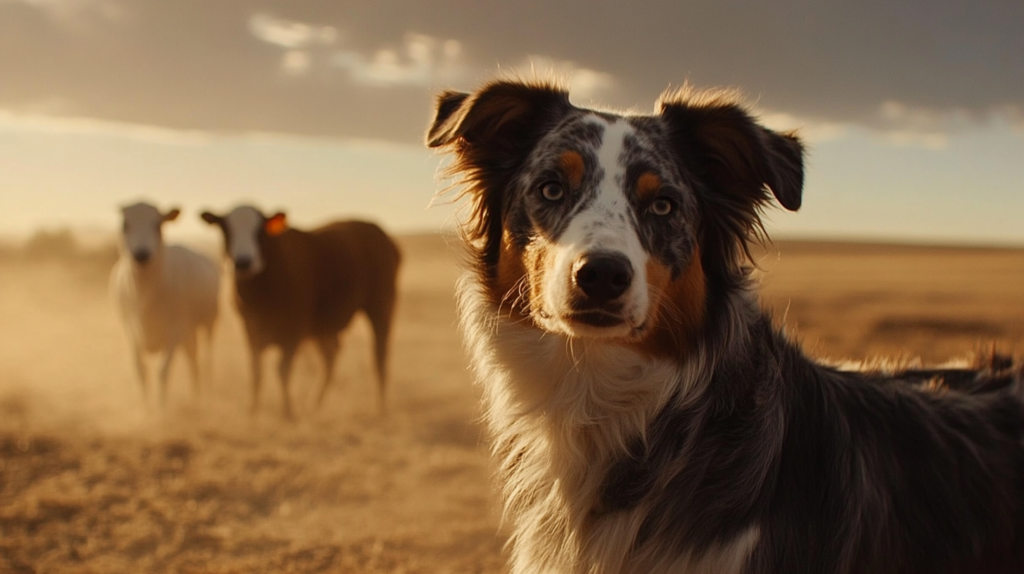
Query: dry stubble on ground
[[91, 480]]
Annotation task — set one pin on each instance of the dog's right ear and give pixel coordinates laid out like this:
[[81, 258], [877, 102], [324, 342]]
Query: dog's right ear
[[503, 114], [491, 132], [211, 218], [442, 131]]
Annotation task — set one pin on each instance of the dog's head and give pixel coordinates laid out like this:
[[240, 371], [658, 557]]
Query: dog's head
[[603, 225]]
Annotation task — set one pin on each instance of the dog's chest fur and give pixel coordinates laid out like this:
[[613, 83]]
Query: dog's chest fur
[[564, 415]]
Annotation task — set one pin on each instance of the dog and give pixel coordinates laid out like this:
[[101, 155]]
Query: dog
[[646, 416]]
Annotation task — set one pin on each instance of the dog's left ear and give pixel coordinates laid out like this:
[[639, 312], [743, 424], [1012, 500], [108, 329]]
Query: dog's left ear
[[738, 156]]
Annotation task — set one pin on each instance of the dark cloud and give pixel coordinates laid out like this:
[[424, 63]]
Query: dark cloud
[[202, 65]]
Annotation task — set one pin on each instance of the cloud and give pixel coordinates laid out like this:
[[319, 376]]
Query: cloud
[[49, 124], [904, 124], [815, 131], [289, 33], [296, 62], [583, 83], [927, 140], [417, 60], [420, 60], [906, 71], [75, 14], [930, 134]]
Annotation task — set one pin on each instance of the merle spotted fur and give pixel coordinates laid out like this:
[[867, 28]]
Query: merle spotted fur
[[912, 471]]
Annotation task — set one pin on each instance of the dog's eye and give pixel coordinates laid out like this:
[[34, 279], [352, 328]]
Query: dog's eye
[[552, 191], [662, 206]]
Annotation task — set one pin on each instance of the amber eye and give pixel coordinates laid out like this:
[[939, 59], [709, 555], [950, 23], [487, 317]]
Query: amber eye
[[662, 206], [552, 191]]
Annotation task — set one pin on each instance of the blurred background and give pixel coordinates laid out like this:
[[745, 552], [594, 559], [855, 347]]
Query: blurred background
[[909, 245], [914, 111]]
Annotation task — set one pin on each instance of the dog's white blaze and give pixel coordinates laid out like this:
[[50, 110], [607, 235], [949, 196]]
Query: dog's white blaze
[[243, 225], [603, 225], [142, 229]]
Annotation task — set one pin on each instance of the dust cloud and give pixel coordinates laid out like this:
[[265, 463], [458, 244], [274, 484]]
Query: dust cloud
[[93, 478]]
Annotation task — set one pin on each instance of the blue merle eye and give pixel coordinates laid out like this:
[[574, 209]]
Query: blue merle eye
[[552, 191], [662, 206]]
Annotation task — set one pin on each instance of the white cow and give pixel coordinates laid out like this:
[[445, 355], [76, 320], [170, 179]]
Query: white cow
[[166, 294]]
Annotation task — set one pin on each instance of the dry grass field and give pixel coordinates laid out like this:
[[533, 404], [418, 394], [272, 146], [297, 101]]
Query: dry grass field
[[92, 479]]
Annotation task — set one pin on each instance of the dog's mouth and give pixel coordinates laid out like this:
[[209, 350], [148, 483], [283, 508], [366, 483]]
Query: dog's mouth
[[591, 323], [595, 318]]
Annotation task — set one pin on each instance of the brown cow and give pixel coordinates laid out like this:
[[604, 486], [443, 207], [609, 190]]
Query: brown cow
[[292, 285]]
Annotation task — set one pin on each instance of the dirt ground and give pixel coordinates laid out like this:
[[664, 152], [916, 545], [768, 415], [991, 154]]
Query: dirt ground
[[95, 479]]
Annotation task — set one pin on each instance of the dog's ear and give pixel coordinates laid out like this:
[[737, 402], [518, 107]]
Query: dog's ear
[[502, 115], [739, 158], [442, 130], [739, 165], [491, 133]]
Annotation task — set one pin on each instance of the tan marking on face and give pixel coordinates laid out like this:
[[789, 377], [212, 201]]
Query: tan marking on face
[[677, 309], [648, 185], [539, 257], [509, 293], [572, 166]]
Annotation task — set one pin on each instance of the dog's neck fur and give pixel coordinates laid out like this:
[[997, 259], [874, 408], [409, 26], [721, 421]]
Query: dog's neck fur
[[596, 399]]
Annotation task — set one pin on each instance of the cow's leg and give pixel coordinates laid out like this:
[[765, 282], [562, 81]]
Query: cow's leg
[[206, 353], [165, 371], [329, 347], [140, 370], [380, 316], [256, 370], [284, 372], [191, 353]]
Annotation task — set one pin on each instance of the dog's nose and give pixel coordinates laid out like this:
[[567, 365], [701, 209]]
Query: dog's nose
[[141, 256], [603, 277], [243, 263]]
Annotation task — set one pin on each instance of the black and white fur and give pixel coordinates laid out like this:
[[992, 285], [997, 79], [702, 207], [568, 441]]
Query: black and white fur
[[646, 415]]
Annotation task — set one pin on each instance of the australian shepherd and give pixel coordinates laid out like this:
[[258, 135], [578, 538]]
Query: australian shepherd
[[646, 415]]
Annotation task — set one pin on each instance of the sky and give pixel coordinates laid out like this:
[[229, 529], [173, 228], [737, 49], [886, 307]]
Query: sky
[[913, 111]]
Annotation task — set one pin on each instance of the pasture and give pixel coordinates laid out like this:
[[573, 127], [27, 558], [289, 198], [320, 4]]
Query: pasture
[[93, 480]]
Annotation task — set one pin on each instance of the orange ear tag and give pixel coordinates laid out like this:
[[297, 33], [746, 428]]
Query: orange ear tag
[[276, 225]]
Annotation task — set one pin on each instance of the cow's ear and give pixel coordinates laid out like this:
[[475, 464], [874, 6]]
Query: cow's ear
[[172, 214], [276, 224], [211, 218]]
